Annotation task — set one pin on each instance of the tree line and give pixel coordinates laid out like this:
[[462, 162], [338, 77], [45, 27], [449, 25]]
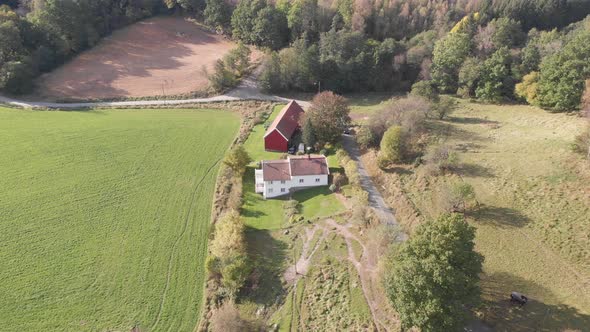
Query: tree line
[[479, 49]]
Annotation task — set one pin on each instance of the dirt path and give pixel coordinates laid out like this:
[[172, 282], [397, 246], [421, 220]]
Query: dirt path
[[376, 200], [246, 90], [365, 265]]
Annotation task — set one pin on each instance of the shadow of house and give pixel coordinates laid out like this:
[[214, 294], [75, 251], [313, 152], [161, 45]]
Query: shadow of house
[[536, 315]]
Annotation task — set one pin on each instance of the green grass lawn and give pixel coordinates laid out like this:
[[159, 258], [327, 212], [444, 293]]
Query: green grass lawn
[[104, 217], [318, 202], [260, 213], [255, 142]]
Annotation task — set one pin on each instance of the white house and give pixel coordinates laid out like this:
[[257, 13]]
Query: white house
[[279, 177]]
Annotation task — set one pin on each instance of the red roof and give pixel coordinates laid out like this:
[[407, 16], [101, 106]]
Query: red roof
[[276, 170], [312, 165], [287, 121]]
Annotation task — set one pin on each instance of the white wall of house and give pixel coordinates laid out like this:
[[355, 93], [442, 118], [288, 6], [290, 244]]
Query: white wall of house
[[279, 188]]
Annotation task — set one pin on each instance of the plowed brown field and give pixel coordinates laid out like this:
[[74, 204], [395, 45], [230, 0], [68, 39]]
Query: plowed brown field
[[158, 56]]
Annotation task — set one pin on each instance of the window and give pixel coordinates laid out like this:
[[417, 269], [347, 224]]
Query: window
[[300, 180], [270, 182], [282, 181], [282, 190], [317, 180], [270, 190]]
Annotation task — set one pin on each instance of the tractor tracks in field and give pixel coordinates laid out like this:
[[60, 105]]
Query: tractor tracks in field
[[177, 241]]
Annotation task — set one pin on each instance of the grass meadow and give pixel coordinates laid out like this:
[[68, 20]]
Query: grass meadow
[[533, 221], [104, 217]]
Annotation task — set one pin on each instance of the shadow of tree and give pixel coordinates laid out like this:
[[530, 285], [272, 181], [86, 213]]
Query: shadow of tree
[[268, 256], [469, 120], [499, 216], [451, 130], [536, 315], [474, 170]]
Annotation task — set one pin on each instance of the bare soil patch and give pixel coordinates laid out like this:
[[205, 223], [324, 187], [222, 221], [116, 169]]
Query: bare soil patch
[[158, 56]]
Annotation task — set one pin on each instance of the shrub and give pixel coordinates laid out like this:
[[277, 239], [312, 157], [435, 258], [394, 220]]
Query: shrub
[[391, 146], [366, 138], [582, 143], [458, 197], [352, 173], [425, 89], [290, 208], [439, 159], [338, 180], [237, 160], [227, 319], [444, 107], [229, 236], [234, 272], [333, 188]]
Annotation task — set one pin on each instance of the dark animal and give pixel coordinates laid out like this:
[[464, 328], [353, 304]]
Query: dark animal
[[518, 298]]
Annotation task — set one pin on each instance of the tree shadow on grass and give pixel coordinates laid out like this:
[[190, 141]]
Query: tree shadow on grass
[[268, 255], [536, 315], [469, 120], [499, 216], [450, 130], [474, 170]]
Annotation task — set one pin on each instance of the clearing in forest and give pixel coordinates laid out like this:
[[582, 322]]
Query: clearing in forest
[[104, 217], [154, 57]]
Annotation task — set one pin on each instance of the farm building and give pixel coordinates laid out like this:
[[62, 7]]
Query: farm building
[[279, 133], [280, 177]]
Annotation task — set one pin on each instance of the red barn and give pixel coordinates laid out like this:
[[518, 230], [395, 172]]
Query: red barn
[[279, 133]]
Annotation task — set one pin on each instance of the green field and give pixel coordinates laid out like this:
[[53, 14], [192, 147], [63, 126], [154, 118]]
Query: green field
[[104, 217]]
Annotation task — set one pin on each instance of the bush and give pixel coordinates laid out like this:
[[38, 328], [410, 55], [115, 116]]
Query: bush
[[458, 197], [338, 180], [425, 89], [444, 107], [16, 77], [290, 208], [439, 159], [227, 319], [237, 160], [391, 147], [582, 143], [234, 272], [352, 173], [366, 138]]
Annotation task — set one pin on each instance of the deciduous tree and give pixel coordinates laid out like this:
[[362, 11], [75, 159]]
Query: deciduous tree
[[449, 54], [237, 159], [329, 116], [434, 276]]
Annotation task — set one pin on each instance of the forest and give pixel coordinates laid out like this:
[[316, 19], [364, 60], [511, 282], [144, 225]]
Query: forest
[[490, 50]]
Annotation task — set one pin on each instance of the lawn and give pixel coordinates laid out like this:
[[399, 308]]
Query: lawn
[[318, 202], [533, 226], [104, 217], [255, 142]]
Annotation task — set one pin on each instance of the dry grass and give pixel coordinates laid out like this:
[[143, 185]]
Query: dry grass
[[534, 222]]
